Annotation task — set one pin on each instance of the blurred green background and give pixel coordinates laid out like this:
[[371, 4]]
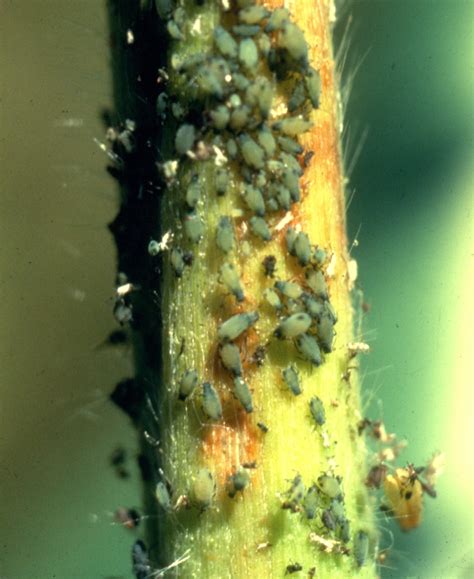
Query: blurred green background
[[411, 213]]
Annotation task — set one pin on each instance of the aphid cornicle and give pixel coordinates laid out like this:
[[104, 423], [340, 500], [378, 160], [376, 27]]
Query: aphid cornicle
[[308, 347], [242, 393], [290, 376], [187, 384], [229, 276], [238, 482], [211, 403], [236, 325], [163, 496], [317, 410], [293, 326], [204, 489], [361, 547], [225, 234], [230, 356]]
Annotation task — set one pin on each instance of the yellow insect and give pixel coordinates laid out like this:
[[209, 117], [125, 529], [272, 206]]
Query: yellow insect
[[404, 494]]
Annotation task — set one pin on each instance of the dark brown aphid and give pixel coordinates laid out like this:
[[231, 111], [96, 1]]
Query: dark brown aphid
[[293, 568], [269, 265], [263, 427]]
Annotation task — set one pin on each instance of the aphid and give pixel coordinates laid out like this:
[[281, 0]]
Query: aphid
[[264, 45], [317, 410], [290, 376], [404, 494], [315, 280], [162, 104], [154, 248], [292, 126], [311, 572], [129, 518], [258, 357], [361, 547], [260, 95], [283, 196], [254, 200], [164, 8], [225, 43], [239, 118], [193, 227], [313, 86], [248, 54], [140, 562], [184, 140], [263, 427], [277, 19], [229, 276], [266, 141], [292, 39], [123, 312], [163, 496], [330, 486], [269, 265], [236, 325], [311, 502], [295, 494], [128, 395], [325, 327], [211, 403], [290, 180], [174, 31], [302, 248], [290, 236], [177, 261], [187, 384], [293, 568], [242, 393], [193, 192], [246, 30], [232, 149], [238, 482], [204, 489], [230, 356], [289, 289], [345, 531], [273, 298], [289, 145], [293, 326], [296, 100], [337, 509], [308, 347], [220, 117], [328, 520], [376, 476], [252, 153], [260, 228], [313, 307], [225, 234], [253, 14], [221, 182], [306, 161]]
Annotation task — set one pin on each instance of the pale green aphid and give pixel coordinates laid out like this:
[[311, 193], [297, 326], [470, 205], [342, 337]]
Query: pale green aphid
[[283, 196], [154, 248], [184, 140], [289, 289], [247, 30], [290, 146], [302, 248], [292, 126], [330, 486], [232, 149], [330, 312], [236, 325], [291, 181], [221, 181], [272, 204], [260, 180], [254, 200], [292, 39], [290, 237], [229, 276], [230, 356], [361, 547], [259, 227], [313, 306], [325, 328], [291, 378], [177, 261], [220, 117], [211, 403], [163, 496], [328, 520], [238, 482], [193, 193], [293, 326], [315, 280], [320, 255], [313, 86], [225, 43], [204, 489], [277, 19], [266, 141], [298, 97], [225, 234], [317, 410], [290, 163], [337, 508], [264, 45], [272, 298], [311, 502], [187, 384], [308, 347], [239, 118], [242, 393], [260, 95], [248, 54], [252, 153], [193, 227], [294, 306], [253, 14], [173, 30]]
